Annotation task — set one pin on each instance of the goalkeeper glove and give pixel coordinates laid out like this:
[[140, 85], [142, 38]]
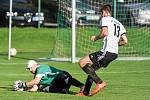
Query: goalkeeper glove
[[22, 85], [19, 86]]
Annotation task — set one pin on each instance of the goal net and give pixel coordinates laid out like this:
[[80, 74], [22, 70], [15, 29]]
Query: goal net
[[134, 14]]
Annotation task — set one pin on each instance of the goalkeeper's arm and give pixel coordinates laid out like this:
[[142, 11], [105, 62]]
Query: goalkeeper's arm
[[29, 84], [33, 89], [26, 86], [33, 82]]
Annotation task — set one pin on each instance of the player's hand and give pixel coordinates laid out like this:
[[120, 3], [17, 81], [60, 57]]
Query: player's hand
[[93, 38], [19, 85]]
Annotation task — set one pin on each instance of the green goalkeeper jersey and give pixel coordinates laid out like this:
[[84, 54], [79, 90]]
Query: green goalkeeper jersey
[[47, 74]]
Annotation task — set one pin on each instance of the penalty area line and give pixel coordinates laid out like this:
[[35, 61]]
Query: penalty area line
[[12, 63]]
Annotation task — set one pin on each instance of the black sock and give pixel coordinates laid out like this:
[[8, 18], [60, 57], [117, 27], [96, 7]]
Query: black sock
[[95, 67], [90, 71], [88, 85]]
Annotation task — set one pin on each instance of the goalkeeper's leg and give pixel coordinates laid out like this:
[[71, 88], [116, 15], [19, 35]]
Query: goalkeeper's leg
[[66, 79], [72, 81]]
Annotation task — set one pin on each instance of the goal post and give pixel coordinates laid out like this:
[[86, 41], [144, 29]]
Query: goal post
[[10, 30], [79, 19], [73, 31]]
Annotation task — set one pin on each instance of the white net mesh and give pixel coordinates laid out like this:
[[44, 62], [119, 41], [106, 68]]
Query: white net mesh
[[134, 14]]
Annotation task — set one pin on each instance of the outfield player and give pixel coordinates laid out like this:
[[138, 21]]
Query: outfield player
[[49, 79], [113, 35]]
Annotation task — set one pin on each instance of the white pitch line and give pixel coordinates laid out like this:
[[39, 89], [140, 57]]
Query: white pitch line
[[12, 63], [16, 63], [2, 74]]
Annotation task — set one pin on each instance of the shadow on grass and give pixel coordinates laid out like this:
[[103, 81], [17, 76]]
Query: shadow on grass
[[8, 88], [70, 93], [25, 58], [5, 57]]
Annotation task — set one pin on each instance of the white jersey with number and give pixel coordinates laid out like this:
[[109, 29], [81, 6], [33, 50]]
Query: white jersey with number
[[115, 30]]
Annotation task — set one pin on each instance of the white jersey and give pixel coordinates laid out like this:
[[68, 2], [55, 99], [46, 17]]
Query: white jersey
[[115, 30]]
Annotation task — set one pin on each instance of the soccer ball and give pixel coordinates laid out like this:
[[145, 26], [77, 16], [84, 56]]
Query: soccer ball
[[13, 52]]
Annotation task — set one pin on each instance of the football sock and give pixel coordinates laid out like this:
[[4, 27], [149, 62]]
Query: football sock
[[95, 67], [90, 71], [88, 85]]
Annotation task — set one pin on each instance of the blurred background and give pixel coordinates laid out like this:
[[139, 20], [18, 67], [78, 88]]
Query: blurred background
[[26, 11]]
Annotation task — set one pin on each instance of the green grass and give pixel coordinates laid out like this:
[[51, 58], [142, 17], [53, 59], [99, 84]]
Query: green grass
[[41, 42], [30, 42], [126, 80]]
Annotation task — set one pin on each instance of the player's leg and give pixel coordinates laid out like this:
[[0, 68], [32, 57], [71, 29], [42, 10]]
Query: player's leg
[[72, 81], [60, 86], [45, 88], [90, 70], [75, 82], [85, 65], [88, 84], [67, 80], [106, 59], [53, 88], [87, 87]]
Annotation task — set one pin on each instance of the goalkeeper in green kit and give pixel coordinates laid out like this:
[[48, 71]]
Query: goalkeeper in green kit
[[47, 79]]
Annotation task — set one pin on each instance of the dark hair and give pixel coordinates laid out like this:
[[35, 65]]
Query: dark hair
[[106, 7]]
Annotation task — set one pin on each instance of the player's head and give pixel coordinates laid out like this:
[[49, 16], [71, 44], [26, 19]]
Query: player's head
[[32, 65], [105, 10]]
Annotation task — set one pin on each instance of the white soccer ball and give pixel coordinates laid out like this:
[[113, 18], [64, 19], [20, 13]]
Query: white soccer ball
[[13, 52]]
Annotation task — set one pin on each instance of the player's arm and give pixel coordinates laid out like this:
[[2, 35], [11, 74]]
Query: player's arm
[[33, 89], [123, 40], [20, 86], [33, 82], [103, 33]]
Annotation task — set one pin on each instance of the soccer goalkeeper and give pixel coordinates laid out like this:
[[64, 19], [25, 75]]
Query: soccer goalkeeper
[[47, 79]]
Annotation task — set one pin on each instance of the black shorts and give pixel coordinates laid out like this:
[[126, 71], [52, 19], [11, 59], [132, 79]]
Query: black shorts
[[101, 59]]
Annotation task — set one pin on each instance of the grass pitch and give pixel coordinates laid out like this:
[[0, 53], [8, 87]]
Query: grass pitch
[[126, 80]]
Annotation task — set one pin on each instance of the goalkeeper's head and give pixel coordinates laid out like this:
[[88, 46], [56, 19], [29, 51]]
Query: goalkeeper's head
[[32, 65]]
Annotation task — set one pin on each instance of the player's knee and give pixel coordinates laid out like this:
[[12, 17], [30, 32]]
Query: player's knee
[[81, 63]]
